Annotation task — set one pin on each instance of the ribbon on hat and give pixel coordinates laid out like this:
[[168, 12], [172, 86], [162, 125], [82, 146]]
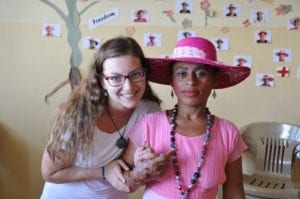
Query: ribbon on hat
[[187, 51]]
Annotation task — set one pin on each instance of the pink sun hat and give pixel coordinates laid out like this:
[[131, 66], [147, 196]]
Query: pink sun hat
[[200, 51]]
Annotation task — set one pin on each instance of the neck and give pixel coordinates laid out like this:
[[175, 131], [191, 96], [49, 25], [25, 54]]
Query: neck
[[119, 112], [191, 112]]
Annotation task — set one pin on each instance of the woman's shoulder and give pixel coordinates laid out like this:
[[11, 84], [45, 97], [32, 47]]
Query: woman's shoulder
[[148, 106], [223, 123]]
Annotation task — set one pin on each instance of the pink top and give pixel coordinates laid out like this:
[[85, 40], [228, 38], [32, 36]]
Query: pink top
[[225, 145]]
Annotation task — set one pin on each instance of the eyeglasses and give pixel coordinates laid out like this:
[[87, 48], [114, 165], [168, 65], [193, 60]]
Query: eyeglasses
[[118, 80]]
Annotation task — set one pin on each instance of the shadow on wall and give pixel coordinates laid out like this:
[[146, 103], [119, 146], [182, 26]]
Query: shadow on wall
[[14, 175]]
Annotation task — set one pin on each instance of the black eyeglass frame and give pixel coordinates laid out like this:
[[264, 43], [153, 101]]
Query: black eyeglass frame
[[124, 77]]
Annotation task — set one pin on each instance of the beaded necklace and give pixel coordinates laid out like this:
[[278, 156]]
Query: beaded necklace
[[185, 192]]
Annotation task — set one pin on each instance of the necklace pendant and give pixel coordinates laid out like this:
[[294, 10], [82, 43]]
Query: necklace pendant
[[122, 143]]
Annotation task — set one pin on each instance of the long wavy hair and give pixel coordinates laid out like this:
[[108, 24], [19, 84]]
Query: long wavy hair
[[74, 122]]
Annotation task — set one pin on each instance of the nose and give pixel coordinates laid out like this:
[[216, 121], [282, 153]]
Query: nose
[[127, 83], [190, 79]]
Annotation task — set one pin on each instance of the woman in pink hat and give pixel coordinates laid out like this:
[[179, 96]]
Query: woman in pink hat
[[206, 149]]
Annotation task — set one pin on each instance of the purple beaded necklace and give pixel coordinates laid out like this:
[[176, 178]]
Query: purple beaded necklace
[[185, 192]]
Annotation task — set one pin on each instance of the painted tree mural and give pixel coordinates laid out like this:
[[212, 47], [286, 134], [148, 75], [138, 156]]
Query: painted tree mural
[[72, 21]]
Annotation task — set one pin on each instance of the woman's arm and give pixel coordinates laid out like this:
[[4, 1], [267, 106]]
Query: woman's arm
[[145, 165], [233, 188], [62, 171]]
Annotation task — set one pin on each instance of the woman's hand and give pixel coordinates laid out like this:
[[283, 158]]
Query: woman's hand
[[113, 174], [149, 164]]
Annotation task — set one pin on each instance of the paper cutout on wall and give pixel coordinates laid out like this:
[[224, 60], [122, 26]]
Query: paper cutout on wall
[[283, 9], [185, 34], [282, 55], [205, 5], [262, 36], [246, 23], [169, 13], [282, 71], [130, 30], [152, 39], [232, 10], [51, 30], [220, 43], [187, 23], [259, 16], [265, 80], [103, 18], [184, 7], [91, 42], [140, 16], [225, 29], [294, 23], [242, 60]]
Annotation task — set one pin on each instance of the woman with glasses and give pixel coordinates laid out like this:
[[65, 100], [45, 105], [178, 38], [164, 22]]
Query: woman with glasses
[[89, 131]]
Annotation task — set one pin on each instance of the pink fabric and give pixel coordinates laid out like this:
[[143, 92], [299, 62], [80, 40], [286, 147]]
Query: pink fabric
[[225, 145]]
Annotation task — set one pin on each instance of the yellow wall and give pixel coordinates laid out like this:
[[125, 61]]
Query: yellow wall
[[31, 65]]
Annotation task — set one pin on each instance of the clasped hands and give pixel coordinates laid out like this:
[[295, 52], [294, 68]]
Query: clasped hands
[[147, 166]]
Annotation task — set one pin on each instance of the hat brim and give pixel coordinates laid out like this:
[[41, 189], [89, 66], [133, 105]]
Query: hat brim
[[279, 53], [227, 76]]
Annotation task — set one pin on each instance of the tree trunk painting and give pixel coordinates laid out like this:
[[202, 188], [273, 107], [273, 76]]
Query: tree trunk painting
[[72, 21]]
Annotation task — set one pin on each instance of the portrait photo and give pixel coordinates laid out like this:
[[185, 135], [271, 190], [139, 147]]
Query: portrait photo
[[259, 16], [140, 15], [184, 6], [265, 80], [152, 39], [185, 34], [242, 60], [232, 10], [51, 30], [282, 55], [262, 36], [221, 43], [91, 42], [294, 23]]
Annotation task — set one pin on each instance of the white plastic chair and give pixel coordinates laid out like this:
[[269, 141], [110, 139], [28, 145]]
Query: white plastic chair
[[275, 147]]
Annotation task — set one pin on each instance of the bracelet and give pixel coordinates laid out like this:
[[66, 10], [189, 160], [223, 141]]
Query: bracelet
[[103, 173]]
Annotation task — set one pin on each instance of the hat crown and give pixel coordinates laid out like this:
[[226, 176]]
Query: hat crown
[[195, 47]]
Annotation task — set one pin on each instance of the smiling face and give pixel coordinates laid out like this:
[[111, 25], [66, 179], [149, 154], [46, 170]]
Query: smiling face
[[129, 94], [192, 83]]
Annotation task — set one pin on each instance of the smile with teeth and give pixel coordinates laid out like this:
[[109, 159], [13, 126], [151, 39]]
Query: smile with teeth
[[131, 94]]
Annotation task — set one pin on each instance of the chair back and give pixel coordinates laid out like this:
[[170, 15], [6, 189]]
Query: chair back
[[274, 146]]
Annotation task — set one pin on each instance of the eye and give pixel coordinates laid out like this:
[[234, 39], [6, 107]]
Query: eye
[[136, 75], [116, 78], [200, 73], [181, 74]]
